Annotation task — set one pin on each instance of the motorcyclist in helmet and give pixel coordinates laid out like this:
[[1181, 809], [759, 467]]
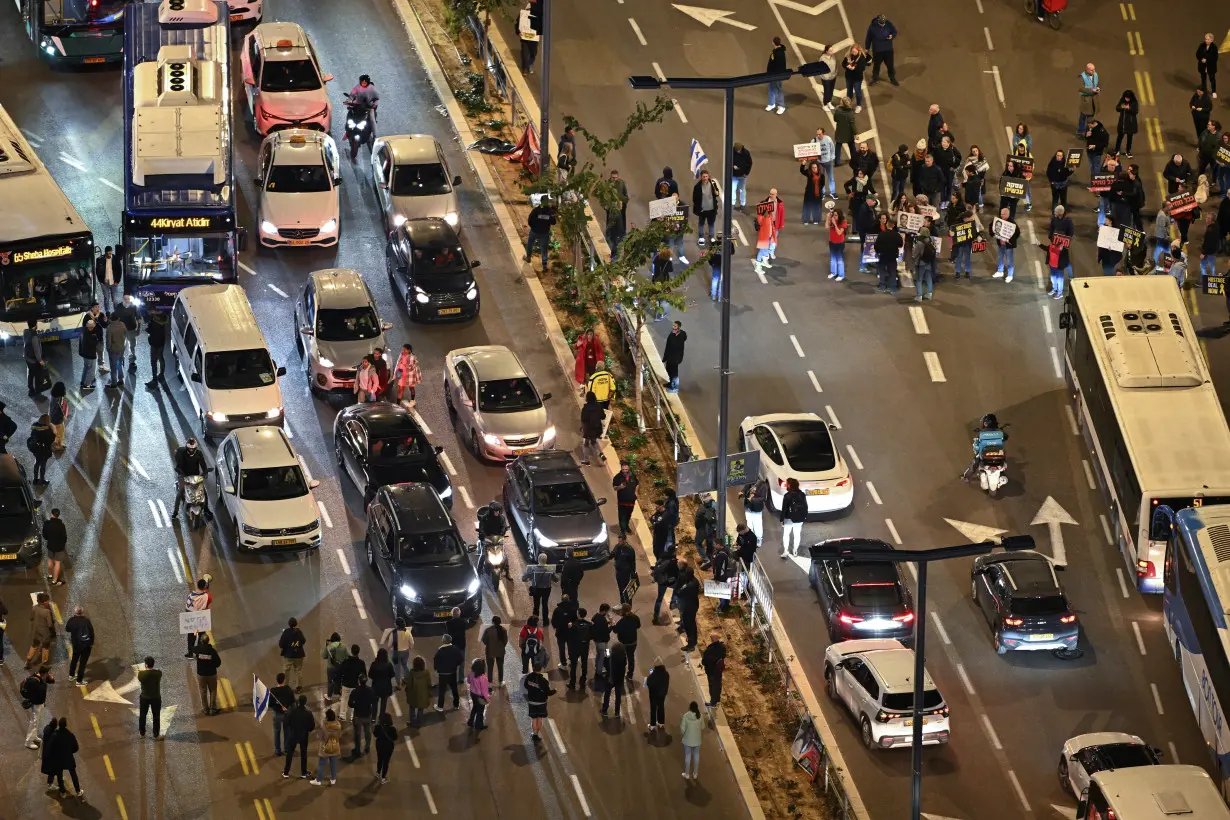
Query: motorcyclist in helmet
[[189, 460], [365, 92], [989, 435], [491, 522]]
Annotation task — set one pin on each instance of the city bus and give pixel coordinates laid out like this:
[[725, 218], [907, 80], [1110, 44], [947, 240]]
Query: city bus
[[179, 226], [46, 250], [75, 32], [1169, 792], [1145, 404]]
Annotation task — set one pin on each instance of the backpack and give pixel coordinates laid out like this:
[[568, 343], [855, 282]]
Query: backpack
[[798, 509], [26, 703], [580, 633], [928, 252]]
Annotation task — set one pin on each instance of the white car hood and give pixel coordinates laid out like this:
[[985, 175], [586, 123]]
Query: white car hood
[[249, 400], [286, 513], [348, 354], [299, 210], [424, 207], [293, 104]]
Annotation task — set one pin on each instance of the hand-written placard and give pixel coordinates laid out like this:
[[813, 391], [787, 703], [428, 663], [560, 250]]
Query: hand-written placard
[[1108, 237], [661, 208], [1132, 238], [1100, 183], [1026, 165], [1011, 187], [195, 621], [1075, 156], [807, 150], [1061, 241], [929, 210], [910, 223], [1222, 157], [1003, 229], [963, 232], [1181, 203]]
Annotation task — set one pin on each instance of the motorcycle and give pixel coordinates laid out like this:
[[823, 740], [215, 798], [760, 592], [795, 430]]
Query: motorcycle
[[991, 471], [494, 561], [360, 126], [194, 499]]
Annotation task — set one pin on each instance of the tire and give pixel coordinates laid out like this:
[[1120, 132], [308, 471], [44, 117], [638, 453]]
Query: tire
[[300, 348], [1062, 772], [834, 633], [337, 456], [448, 402], [474, 445], [1054, 20], [991, 491], [830, 682], [865, 731], [235, 533], [1031, 7]]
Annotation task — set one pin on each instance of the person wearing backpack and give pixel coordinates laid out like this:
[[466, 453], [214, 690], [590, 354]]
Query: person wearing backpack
[[578, 648], [291, 647], [537, 690], [924, 260], [334, 654], [794, 513], [34, 697], [40, 442], [81, 638], [330, 748], [531, 643]]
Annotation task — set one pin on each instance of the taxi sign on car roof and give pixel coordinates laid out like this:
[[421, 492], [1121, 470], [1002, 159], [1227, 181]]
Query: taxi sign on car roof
[[285, 44], [298, 139]]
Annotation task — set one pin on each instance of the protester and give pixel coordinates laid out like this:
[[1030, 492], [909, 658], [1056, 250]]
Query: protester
[[281, 702], [455, 626], [55, 538], [418, 691], [687, 595], [34, 692], [42, 630], [349, 672], [407, 375], [672, 352], [150, 680], [81, 639], [495, 641], [1057, 174], [738, 175], [1206, 63], [479, 688], [813, 191], [844, 128], [58, 415], [624, 484], [617, 668], [691, 728], [836, 223], [329, 748], [706, 199], [541, 576], [40, 443], [1006, 250], [562, 617], [64, 748], [746, 543], [447, 664], [1057, 253], [540, 220], [156, 330], [855, 65], [776, 65], [362, 707], [199, 599], [207, 663], [386, 741], [300, 723], [881, 35], [925, 260], [109, 271], [826, 156], [1089, 89], [627, 629], [1129, 110], [617, 218], [47, 757], [537, 691], [1202, 110], [291, 645], [116, 338], [334, 655], [36, 366], [529, 23], [600, 634], [769, 222], [888, 243], [713, 660], [665, 575], [657, 685], [380, 674]]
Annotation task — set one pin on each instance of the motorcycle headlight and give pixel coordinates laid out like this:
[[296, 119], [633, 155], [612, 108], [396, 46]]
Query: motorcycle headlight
[[408, 592], [421, 296], [325, 361], [329, 226], [494, 441], [473, 588], [251, 530], [451, 218], [548, 435], [218, 416], [447, 492], [472, 292], [360, 125], [543, 541], [269, 228], [398, 221], [273, 412], [600, 538]]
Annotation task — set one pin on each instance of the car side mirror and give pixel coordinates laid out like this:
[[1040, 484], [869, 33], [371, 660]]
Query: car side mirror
[[834, 427], [472, 547], [249, 81], [601, 501], [228, 489], [306, 331], [457, 180], [327, 78], [439, 448], [1157, 751], [196, 377], [314, 483], [1065, 321], [281, 371], [546, 396], [337, 180], [474, 263]]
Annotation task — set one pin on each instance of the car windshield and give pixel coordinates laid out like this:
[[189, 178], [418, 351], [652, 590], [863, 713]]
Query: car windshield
[[1124, 756], [347, 325], [399, 447], [1037, 605], [431, 548], [239, 369], [298, 179], [904, 701], [13, 503], [563, 499], [429, 179], [272, 484], [507, 395], [809, 450], [179, 259], [874, 595], [449, 259], [289, 75]]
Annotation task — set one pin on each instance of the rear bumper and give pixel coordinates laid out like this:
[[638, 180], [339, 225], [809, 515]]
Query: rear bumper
[[1021, 641], [930, 738]]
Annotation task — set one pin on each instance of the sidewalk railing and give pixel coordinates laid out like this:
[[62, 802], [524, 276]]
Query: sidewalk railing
[[654, 390], [519, 117]]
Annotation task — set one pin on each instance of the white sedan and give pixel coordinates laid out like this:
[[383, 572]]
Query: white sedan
[[298, 180], [1085, 755], [800, 446]]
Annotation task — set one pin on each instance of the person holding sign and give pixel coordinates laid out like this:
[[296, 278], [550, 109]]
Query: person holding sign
[[1096, 141], [1108, 256], [828, 151], [836, 223], [706, 199], [858, 190], [1006, 235], [1011, 171], [1060, 235], [813, 191], [770, 219], [978, 161], [1129, 110], [1057, 174], [963, 233]]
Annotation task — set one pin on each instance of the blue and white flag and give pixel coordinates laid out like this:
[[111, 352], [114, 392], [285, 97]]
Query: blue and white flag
[[260, 698], [699, 158]]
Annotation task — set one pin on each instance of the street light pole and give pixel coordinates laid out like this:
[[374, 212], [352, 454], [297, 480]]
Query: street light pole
[[920, 673], [544, 91]]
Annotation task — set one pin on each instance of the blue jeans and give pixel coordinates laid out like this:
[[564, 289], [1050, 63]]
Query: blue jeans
[[828, 174], [1108, 268], [704, 225], [320, 768], [837, 260], [543, 241], [691, 760], [812, 211], [1159, 249], [477, 708], [401, 666], [1095, 165], [89, 371], [738, 191], [1057, 275], [1082, 123], [924, 279], [715, 284], [855, 89], [898, 188], [675, 243], [1223, 178], [777, 97], [117, 366], [362, 726], [763, 254], [1005, 262], [962, 261], [1102, 208], [107, 297], [886, 274], [1208, 265], [279, 731]]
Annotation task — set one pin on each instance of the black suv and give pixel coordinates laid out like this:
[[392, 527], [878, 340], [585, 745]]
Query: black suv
[[430, 271], [861, 599], [21, 539], [413, 545]]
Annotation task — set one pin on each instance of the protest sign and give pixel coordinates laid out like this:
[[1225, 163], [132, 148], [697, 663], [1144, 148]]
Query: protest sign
[[1060, 241], [1222, 157], [910, 223], [1132, 238], [1011, 187], [1213, 284], [1108, 237], [195, 621], [869, 256], [1075, 155], [929, 210], [661, 208], [1026, 164], [963, 232], [1100, 183], [807, 150], [1003, 229], [717, 589], [1181, 203]]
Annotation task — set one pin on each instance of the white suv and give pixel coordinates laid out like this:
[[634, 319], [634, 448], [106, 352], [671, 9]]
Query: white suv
[[337, 325], [266, 491], [874, 679]]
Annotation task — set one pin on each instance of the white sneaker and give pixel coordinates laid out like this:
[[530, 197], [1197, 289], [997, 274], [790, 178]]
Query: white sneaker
[[999, 274], [1214, 95], [858, 109], [832, 276], [683, 259], [828, 106], [1007, 279], [781, 109], [769, 107], [317, 783]]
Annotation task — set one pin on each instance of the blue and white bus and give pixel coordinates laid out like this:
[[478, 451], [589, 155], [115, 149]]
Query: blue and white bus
[[75, 32], [179, 226], [1197, 589]]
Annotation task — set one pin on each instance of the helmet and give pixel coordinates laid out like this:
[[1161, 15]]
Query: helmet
[[989, 422], [496, 507], [365, 78]]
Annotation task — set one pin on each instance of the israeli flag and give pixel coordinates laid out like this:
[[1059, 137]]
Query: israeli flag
[[260, 698], [699, 158]]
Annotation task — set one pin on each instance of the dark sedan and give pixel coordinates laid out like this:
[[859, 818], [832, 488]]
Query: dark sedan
[[21, 541], [381, 443], [861, 598], [429, 270], [1020, 595]]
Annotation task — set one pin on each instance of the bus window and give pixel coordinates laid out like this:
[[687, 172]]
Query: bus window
[[1161, 525]]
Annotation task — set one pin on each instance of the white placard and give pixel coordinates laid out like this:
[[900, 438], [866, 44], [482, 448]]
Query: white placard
[[662, 208], [717, 589], [195, 621], [910, 223], [1003, 229], [928, 210], [1108, 237], [806, 150]]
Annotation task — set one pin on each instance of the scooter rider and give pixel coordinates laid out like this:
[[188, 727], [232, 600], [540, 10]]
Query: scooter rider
[[189, 460], [364, 94], [989, 436], [491, 522]]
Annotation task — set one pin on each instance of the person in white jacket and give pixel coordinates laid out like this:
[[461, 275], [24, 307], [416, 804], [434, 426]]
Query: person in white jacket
[[828, 79], [399, 640]]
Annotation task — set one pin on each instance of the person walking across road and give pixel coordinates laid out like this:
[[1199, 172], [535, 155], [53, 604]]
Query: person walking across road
[[495, 641], [418, 691], [291, 646], [713, 660], [300, 723], [537, 691], [776, 65], [793, 515], [541, 576], [34, 692], [362, 706], [126, 313], [328, 749], [691, 729], [380, 675], [1006, 250], [626, 630], [200, 598], [55, 537], [385, 736], [349, 672], [447, 663], [1206, 63], [207, 663], [81, 640], [281, 702], [579, 636], [42, 631], [657, 685], [399, 640], [479, 687], [40, 443], [334, 655], [63, 752], [738, 175], [617, 670], [881, 35], [624, 484], [150, 680], [1088, 89]]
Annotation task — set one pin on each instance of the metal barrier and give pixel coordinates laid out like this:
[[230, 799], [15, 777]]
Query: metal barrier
[[654, 389], [519, 116]]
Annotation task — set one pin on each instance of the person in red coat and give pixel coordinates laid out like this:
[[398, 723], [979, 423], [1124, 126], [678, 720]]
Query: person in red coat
[[770, 219], [589, 353]]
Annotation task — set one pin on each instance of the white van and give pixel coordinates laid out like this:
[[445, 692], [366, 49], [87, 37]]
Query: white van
[[223, 360]]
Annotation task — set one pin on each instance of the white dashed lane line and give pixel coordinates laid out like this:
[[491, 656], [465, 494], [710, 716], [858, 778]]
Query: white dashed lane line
[[277, 290], [965, 681], [1020, 793], [179, 573], [781, 314], [415, 415], [990, 730], [939, 627], [576, 785], [892, 529], [69, 159], [933, 366], [110, 184], [248, 269], [414, 756], [153, 510], [448, 464], [358, 603], [1110, 540], [828, 408], [1157, 699], [465, 497], [341, 559], [1055, 363], [858, 462], [640, 37], [811, 374], [1093, 485], [1174, 753], [919, 320], [1072, 420], [431, 803], [1046, 318], [324, 514], [987, 32], [875, 496], [1123, 587], [1140, 640], [798, 348]]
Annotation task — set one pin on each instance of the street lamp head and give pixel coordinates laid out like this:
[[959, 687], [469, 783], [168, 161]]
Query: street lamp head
[[811, 69], [1013, 543], [644, 82]]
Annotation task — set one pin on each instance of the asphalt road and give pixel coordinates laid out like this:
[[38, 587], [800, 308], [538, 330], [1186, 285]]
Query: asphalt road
[[906, 386], [129, 565]]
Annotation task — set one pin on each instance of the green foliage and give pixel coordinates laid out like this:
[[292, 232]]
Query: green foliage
[[659, 483], [637, 441], [653, 466], [471, 97], [623, 387], [628, 417], [570, 335]]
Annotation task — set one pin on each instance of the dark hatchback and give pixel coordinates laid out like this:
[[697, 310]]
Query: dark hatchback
[[21, 540], [382, 443], [1020, 596], [552, 511], [415, 548], [861, 598], [428, 268]]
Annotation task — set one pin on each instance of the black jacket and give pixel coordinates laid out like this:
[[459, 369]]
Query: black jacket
[[887, 245], [381, 675], [869, 162], [626, 629], [666, 184], [55, 534], [7, 427], [156, 328], [448, 659], [617, 665], [80, 631], [385, 738], [541, 219], [1201, 105], [600, 628], [1176, 173], [658, 683], [350, 670], [854, 68], [743, 163], [745, 547], [1208, 53], [292, 642], [1128, 117], [687, 591], [1097, 140], [1212, 241], [813, 189], [624, 557], [592, 416], [662, 532], [189, 462], [698, 190], [34, 689], [933, 126], [721, 565], [794, 502], [579, 637], [777, 60], [363, 702], [666, 572], [712, 658], [931, 182], [901, 165], [456, 627], [117, 269], [570, 574], [87, 345], [207, 659], [1057, 172], [625, 489], [300, 723], [672, 352], [63, 745], [563, 615], [281, 699]]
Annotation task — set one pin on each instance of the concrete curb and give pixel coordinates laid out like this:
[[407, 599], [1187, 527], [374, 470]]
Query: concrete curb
[[563, 353]]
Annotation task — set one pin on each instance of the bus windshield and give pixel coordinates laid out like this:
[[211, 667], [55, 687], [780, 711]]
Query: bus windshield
[[92, 13], [176, 257], [47, 289]]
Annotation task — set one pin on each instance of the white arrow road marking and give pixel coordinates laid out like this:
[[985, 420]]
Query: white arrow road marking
[[1066, 811], [977, 533], [937, 817], [1054, 516], [814, 11], [165, 715], [708, 17], [105, 693], [803, 563]]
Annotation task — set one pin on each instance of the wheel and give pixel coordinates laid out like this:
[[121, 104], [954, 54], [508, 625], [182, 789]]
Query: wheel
[[868, 739], [1031, 7], [388, 267], [394, 605], [1054, 20], [991, 491], [830, 681], [474, 445], [1064, 782], [448, 402], [834, 633], [235, 534], [998, 643], [371, 558]]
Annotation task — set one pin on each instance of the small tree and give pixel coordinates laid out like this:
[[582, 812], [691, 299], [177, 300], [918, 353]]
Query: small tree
[[459, 10]]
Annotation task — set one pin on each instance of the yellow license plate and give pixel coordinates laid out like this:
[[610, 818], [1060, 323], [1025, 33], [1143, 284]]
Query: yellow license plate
[[300, 241], [8, 557], [449, 311], [94, 60], [1045, 636], [580, 553], [444, 614], [910, 722], [821, 491], [281, 542], [50, 338]]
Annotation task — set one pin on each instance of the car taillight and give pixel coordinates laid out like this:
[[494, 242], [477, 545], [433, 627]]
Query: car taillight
[[781, 484], [845, 482], [883, 717], [1145, 569], [905, 619], [1067, 619], [850, 619], [1013, 621]]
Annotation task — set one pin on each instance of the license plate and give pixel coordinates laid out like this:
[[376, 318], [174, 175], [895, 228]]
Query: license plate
[[910, 722], [449, 311], [300, 241], [282, 542], [443, 614], [580, 553], [821, 491], [50, 338], [1045, 636], [8, 557], [94, 60]]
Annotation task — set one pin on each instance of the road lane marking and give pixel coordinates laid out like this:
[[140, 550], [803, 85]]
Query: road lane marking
[[32, 135], [781, 314], [1071, 419], [110, 771], [1110, 539], [828, 408], [920, 320], [448, 464], [324, 514], [1033, 237], [243, 759], [913, 571], [431, 804], [375, 646], [939, 627], [341, 557], [1123, 587], [794, 340], [854, 456], [679, 111], [893, 530], [277, 290], [1136, 49], [999, 85], [760, 274], [965, 681], [987, 32], [1020, 793], [1140, 641], [358, 602], [1157, 699], [415, 415], [1128, 10], [990, 730], [153, 509], [414, 757], [933, 366], [136, 465], [1046, 318], [1038, 273], [1174, 753], [811, 374], [742, 238], [644, 42], [69, 159], [871, 488], [248, 269], [559, 740], [1148, 89], [1055, 363], [657, 69], [110, 184], [1093, 485], [979, 4], [179, 575], [264, 809], [162, 508], [226, 695], [119, 804], [97, 728], [465, 497], [576, 785]]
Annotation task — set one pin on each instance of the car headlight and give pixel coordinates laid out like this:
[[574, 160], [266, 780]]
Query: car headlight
[[217, 416], [329, 226], [421, 296], [447, 492], [494, 441], [600, 538], [325, 361], [398, 221], [543, 541], [269, 228], [408, 592], [451, 218], [251, 530], [473, 588], [273, 412], [548, 435], [472, 292]]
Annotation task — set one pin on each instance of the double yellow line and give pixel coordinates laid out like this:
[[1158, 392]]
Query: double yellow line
[[226, 695], [247, 758]]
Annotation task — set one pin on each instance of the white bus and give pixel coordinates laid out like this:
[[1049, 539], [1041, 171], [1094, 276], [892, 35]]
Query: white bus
[[1152, 793], [1145, 402], [46, 250]]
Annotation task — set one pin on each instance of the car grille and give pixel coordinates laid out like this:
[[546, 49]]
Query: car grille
[[298, 233], [243, 417], [448, 299], [343, 375], [288, 531], [528, 441]]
